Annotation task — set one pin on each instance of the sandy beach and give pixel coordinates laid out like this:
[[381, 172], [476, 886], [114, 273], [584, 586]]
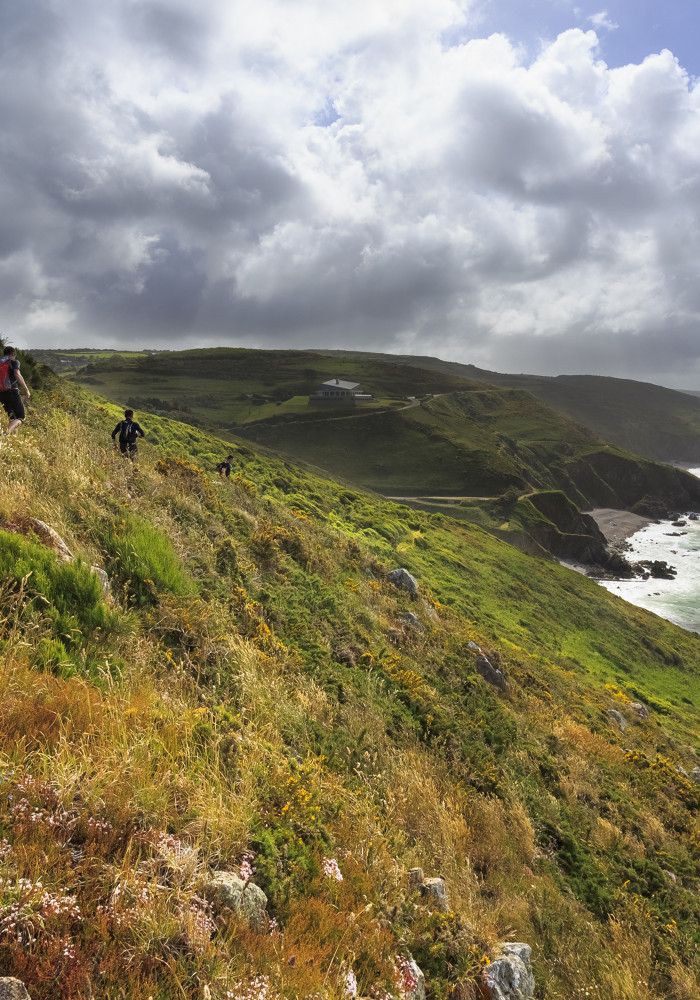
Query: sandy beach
[[617, 525]]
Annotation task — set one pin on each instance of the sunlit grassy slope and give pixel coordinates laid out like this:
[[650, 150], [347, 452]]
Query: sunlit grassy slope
[[255, 686]]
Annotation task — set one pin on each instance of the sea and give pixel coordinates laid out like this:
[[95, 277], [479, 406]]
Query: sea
[[678, 600]]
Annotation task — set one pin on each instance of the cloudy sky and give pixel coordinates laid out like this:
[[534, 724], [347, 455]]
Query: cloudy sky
[[512, 183]]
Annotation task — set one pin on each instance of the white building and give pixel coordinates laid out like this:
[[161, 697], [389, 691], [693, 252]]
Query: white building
[[336, 390]]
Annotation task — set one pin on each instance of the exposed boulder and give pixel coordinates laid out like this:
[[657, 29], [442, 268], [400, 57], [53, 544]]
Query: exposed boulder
[[696, 775], [413, 620], [52, 539], [435, 894], [639, 708], [659, 569], [226, 890], [682, 771], [509, 977], [432, 890], [618, 718], [430, 610], [413, 985], [402, 579], [491, 674], [13, 989]]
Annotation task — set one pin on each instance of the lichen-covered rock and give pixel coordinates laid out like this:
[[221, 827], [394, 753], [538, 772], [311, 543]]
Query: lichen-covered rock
[[13, 989], [435, 894], [226, 890], [51, 537], [402, 579], [492, 675], [413, 620], [639, 708], [413, 980], [618, 718], [509, 977]]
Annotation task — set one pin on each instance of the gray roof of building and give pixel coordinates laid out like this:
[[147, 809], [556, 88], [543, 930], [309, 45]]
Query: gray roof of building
[[337, 383]]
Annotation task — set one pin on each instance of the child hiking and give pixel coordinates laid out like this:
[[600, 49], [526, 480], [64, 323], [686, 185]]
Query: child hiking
[[129, 432], [10, 381]]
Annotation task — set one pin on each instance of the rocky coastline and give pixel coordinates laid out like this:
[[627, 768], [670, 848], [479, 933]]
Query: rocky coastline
[[618, 526]]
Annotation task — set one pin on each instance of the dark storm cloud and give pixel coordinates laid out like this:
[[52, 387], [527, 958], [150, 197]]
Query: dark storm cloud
[[170, 174]]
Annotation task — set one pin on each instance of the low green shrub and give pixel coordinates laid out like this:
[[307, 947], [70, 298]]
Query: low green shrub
[[144, 561]]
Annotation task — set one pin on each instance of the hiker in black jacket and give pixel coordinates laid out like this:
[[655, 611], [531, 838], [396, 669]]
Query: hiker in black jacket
[[224, 468], [129, 432]]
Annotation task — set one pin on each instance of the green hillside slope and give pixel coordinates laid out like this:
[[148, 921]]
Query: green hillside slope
[[478, 444], [257, 696], [651, 420], [469, 440]]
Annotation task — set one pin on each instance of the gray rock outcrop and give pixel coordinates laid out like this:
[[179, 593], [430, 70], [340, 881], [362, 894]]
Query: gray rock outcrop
[[51, 537], [416, 983], [639, 708], [402, 579], [696, 775], [492, 675], [509, 976], [413, 620], [434, 892], [13, 989], [486, 669], [226, 890], [618, 718], [101, 575]]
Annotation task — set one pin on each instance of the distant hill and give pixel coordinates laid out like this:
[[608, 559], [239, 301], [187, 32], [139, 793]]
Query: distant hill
[[650, 420]]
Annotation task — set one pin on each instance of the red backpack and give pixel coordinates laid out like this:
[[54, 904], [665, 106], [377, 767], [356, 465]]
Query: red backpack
[[5, 372]]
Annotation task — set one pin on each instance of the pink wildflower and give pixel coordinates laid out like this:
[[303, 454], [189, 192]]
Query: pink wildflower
[[331, 869]]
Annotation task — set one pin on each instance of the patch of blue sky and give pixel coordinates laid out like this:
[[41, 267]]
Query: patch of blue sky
[[327, 116], [628, 30]]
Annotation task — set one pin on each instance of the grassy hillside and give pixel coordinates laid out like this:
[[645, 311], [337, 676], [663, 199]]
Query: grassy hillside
[[661, 424], [463, 438], [223, 388], [480, 443], [650, 420], [255, 694]]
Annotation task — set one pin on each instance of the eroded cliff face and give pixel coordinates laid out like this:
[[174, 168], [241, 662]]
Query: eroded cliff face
[[608, 479]]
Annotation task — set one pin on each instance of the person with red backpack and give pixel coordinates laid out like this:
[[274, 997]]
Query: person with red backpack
[[10, 381]]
